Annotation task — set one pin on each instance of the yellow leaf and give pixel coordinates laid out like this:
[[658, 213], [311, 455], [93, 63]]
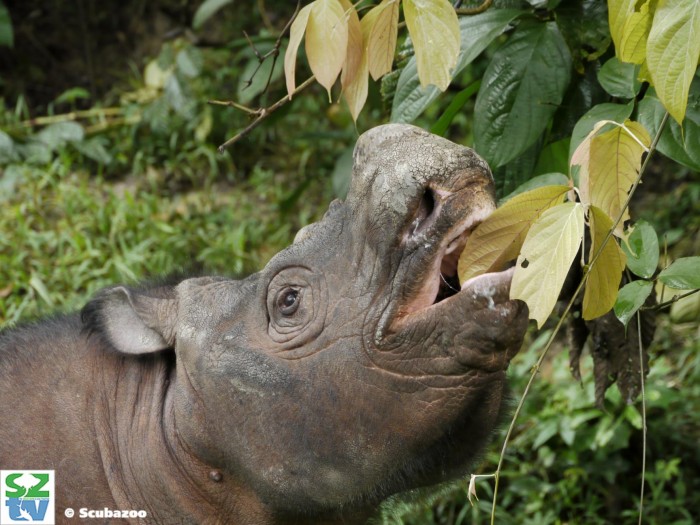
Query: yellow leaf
[[355, 91], [673, 51], [618, 13], [581, 158], [353, 56], [384, 21], [549, 249], [326, 41], [605, 275], [499, 238], [615, 160], [296, 32], [434, 30], [633, 45]]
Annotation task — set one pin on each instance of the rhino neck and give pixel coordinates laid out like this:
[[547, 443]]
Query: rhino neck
[[146, 465]]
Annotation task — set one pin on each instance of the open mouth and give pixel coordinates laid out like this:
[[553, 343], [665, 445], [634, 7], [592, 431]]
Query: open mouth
[[449, 280], [442, 281]]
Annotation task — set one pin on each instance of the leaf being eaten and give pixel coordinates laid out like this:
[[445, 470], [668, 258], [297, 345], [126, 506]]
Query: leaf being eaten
[[545, 259], [499, 238]]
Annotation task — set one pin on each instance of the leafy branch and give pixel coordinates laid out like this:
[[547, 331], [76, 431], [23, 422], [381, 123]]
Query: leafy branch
[[569, 305]]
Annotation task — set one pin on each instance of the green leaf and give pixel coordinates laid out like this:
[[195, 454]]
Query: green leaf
[[679, 144], [40, 288], [544, 261], [246, 92], [619, 12], [673, 51], [619, 79], [554, 157], [635, 33], [630, 298], [206, 10], [476, 33], [684, 273], [518, 171], [8, 152], [6, 34], [605, 111], [605, 275], [94, 149], [520, 91], [60, 133], [189, 62], [435, 34], [456, 105], [500, 236], [326, 41], [177, 97], [584, 24], [71, 95], [642, 249], [546, 431]]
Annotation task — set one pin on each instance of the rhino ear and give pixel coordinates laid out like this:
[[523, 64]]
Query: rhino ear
[[134, 322]]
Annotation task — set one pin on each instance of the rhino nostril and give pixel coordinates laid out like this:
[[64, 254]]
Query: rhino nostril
[[426, 207]]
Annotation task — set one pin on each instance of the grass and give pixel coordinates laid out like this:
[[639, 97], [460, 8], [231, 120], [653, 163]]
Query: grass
[[64, 235]]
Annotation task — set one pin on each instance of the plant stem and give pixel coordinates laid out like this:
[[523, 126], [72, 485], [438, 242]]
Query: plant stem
[[72, 116], [672, 300], [644, 415], [474, 10], [580, 286], [264, 113]]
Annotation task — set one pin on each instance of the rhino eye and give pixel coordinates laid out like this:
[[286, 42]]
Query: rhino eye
[[296, 306], [288, 301]]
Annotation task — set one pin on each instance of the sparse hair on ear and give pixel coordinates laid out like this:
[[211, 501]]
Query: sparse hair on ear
[[133, 321]]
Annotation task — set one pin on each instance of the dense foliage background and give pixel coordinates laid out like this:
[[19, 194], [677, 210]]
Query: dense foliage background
[[109, 173]]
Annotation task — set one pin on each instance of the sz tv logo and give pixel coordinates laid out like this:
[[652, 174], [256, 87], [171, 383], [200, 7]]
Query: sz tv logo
[[27, 496]]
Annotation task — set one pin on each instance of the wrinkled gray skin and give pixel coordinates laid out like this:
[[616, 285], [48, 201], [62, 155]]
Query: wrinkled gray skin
[[305, 393]]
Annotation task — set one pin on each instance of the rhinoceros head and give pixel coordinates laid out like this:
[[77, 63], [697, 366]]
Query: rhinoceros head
[[352, 366]]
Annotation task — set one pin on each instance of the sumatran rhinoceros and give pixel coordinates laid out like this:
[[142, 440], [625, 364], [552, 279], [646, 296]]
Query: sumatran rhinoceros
[[350, 368]]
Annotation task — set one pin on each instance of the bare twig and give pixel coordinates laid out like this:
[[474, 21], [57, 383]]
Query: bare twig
[[232, 104], [672, 300], [474, 10], [274, 52], [263, 113], [595, 257]]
